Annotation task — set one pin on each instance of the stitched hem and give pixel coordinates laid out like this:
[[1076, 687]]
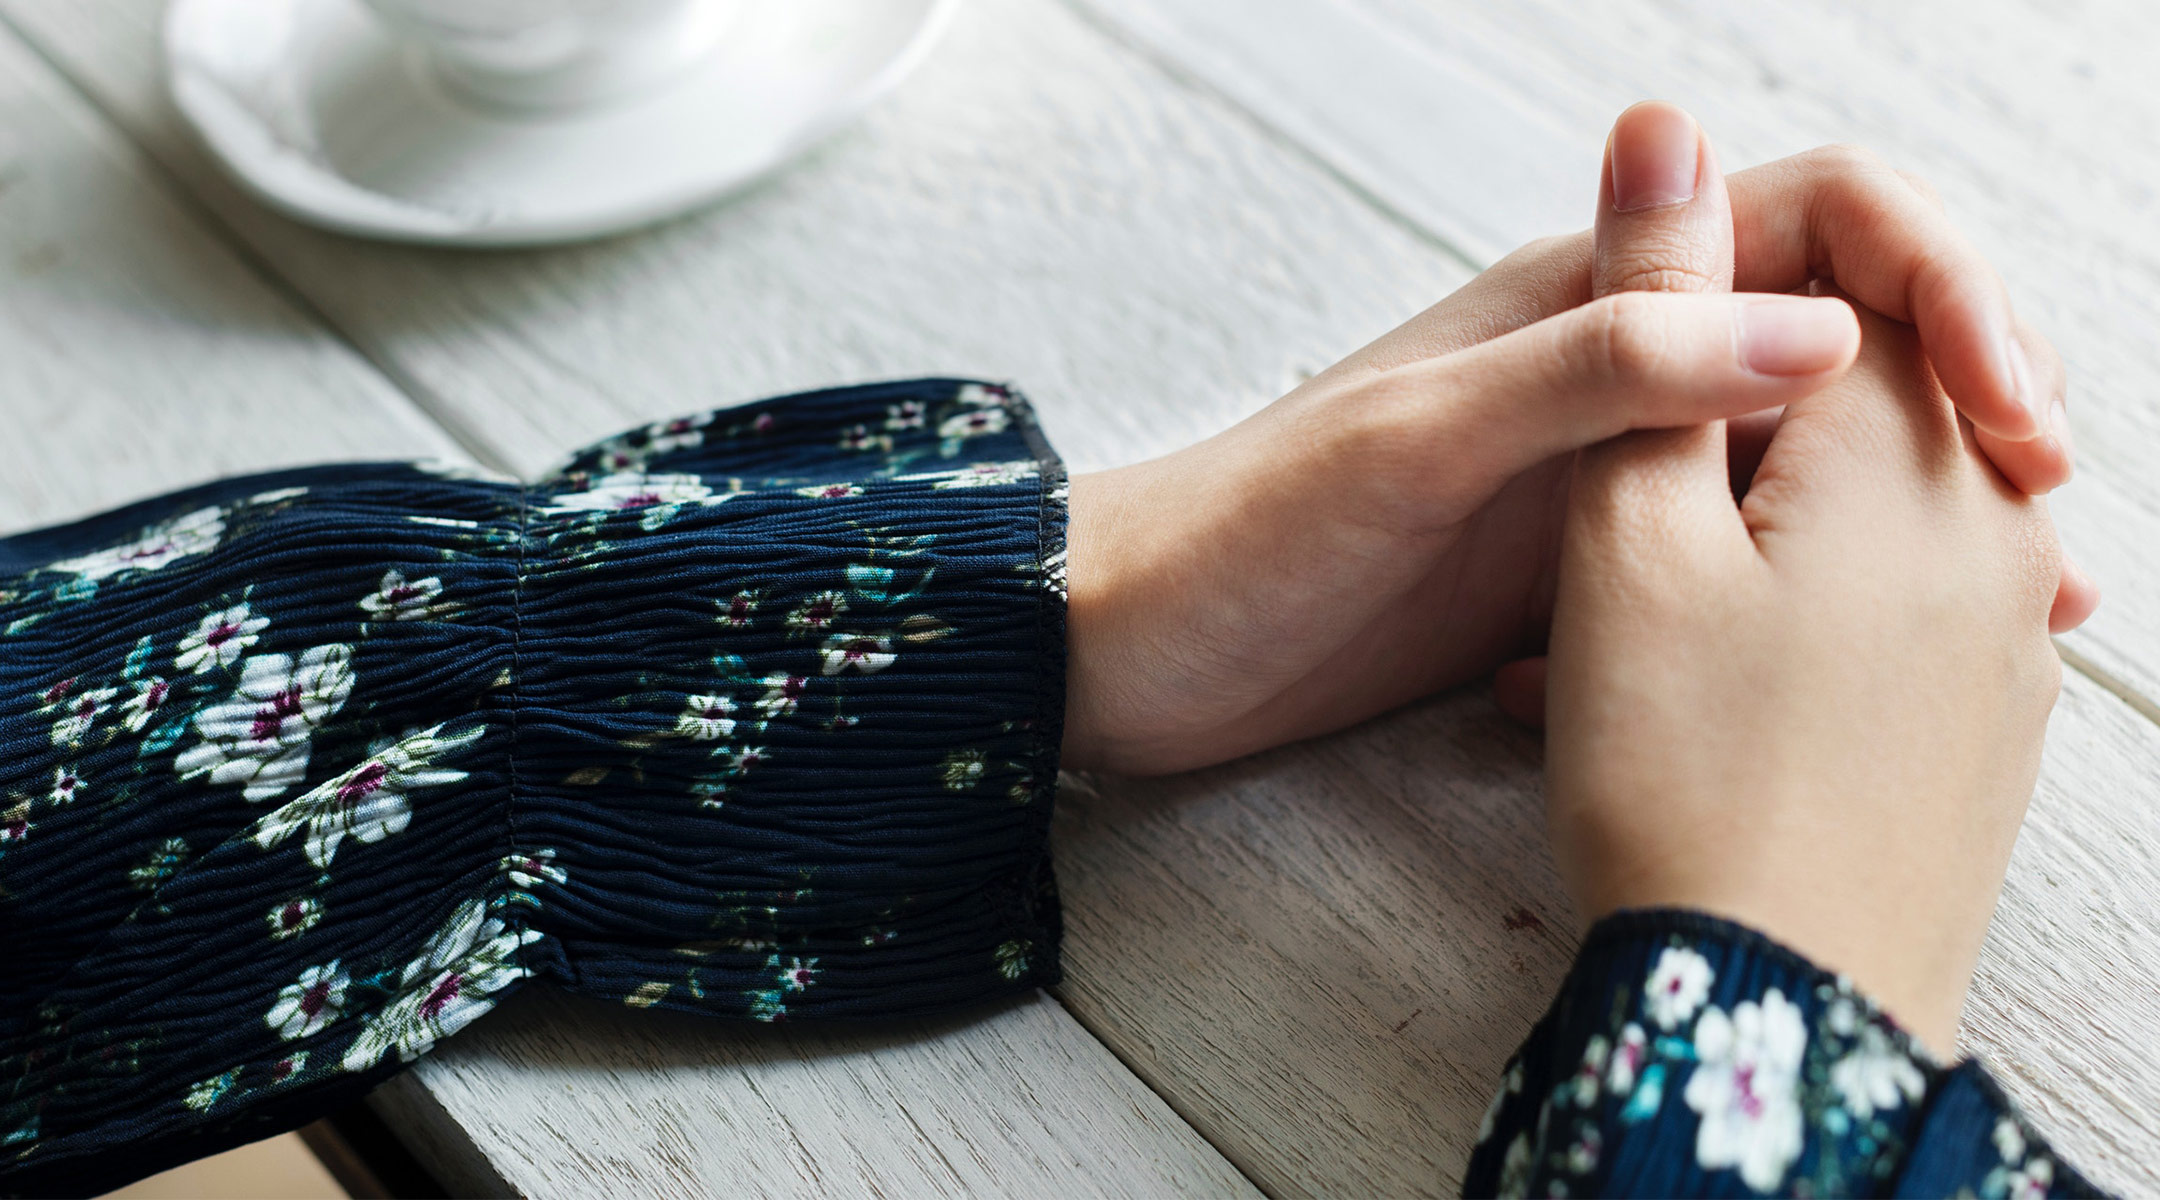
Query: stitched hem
[[517, 678], [1049, 731]]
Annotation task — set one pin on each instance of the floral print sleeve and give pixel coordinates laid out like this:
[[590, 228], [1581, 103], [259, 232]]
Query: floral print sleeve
[[1688, 1056], [753, 713]]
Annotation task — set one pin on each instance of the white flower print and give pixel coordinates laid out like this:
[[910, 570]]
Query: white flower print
[[630, 490], [962, 770], [981, 394], [859, 437], [15, 822], [864, 653], [1746, 1086], [311, 1003], [138, 710], [1590, 1073], [816, 614], [782, 693], [294, 917], [399, 599], [830, 491], [531, 868], [908, 414], [443, 468], [2031, 1181], [453, 982], [1678, 985], [706, 718], [1876, 1076], [977, 423], [369, 802], [1515, 1168], [163, 863], [221, 638], [977, 475], [1628, 1058], [664, 437], [2009, 1141], [260, 736], [66, 785], [796, 973], [208, 1092], [160, 544], [2019, 1177], [736, 610], [988, 475], [78, 713]]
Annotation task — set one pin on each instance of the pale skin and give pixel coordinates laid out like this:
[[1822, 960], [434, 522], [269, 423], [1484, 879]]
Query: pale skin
[[1408, 520]]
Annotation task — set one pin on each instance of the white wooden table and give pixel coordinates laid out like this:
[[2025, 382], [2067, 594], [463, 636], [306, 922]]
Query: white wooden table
[[1297, 973]]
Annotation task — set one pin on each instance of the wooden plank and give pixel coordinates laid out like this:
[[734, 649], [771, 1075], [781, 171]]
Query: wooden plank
[[2038, 123], [138, 353], [572, 1097], [1321, 955]]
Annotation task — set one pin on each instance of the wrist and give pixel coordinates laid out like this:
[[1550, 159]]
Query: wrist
[[1920, 981], [1094, 575]]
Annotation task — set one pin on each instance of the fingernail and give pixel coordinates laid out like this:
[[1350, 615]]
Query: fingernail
[[1794, 335], [1653, 157], [2021, 380], [2059, 426]]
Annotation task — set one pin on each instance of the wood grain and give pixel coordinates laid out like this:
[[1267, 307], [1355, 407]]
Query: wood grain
[[572, 1097], [1318, 956], [136, 353], [139, 353]]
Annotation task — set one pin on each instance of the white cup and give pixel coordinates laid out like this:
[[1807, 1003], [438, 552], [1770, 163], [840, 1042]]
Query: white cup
[[557, 54]]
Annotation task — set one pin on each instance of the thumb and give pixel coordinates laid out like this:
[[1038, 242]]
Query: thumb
[[1664, 224]]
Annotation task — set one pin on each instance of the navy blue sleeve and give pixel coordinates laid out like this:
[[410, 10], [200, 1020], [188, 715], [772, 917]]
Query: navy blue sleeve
[[754, 713], [1688, 1056]]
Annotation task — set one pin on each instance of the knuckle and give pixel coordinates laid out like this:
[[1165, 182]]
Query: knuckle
[[2039, 677], [1921, 184], [1629, 341], [1845, 158], [1654, 275]]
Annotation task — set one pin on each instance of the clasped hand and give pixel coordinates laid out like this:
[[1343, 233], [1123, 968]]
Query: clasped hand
[[1759, 459]]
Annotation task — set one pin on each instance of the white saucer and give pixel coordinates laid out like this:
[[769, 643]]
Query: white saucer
[[316, 109]]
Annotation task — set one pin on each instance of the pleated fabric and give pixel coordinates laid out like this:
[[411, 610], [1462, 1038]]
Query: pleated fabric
[[753, 713], [1689, 1056]]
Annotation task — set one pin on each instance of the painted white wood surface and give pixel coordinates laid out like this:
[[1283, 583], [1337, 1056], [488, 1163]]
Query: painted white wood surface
[[1319, 956], [571, 1097], [123, 324], [139, 353]]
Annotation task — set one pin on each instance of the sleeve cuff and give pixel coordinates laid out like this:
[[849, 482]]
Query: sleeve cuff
[[1689, 1056], [789, 693]]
